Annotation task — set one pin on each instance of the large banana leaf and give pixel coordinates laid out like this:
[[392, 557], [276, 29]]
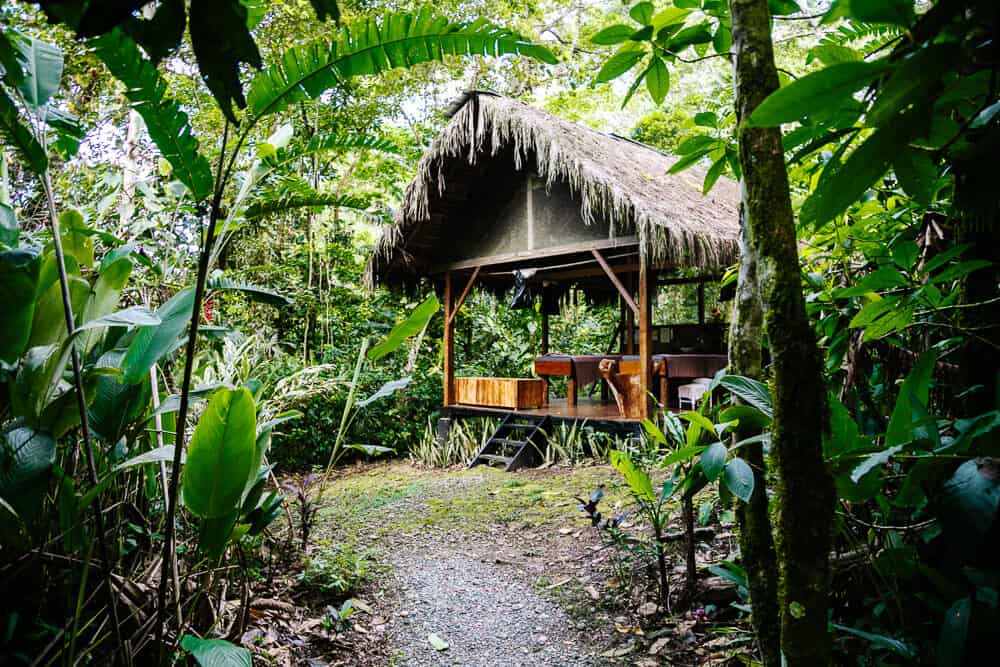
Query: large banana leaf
[[222, 455], [375, 45], [26, 458], [19, 270], [42, 67], [254, 292], [116, 404], [168, 126], [104, 298], [151, 344], [20, 137]]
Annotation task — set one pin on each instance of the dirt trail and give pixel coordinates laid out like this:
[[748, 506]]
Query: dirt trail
[[482, 607]]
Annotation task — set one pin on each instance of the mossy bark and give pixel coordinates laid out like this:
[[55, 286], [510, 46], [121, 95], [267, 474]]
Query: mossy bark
[[805, 490], [753, 518]]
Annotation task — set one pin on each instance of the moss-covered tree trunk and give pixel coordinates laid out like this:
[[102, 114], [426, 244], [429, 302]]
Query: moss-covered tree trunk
[[753, 518], [805, 490]]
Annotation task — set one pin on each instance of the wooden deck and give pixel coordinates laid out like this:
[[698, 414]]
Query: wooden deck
[[597, 414]]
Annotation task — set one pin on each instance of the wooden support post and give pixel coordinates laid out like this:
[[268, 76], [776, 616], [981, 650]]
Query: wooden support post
[[701, 302], [545, 326], [614, 280], [630, 324], [448, 345], [645, 337], [465, 293]]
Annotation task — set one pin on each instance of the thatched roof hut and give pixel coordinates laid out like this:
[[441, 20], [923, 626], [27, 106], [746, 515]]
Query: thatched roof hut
[[465, 207]]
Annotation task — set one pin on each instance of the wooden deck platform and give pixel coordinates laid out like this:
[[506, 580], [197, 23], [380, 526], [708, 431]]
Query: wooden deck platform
[[603, 416]]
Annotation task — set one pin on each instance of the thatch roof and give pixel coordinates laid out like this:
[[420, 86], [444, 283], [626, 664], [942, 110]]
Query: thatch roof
[[618, 182]]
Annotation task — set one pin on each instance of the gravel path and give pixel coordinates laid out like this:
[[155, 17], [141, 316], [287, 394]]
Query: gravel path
[[483, 609]]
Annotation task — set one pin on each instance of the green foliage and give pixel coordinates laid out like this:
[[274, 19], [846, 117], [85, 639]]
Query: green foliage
[[414, 323], [167, 125], [373, 46], [221, 455], [335, 570], [216, 652]]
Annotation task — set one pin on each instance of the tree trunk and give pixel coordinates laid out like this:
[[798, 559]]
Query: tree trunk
[[753, 518], [805, 489]]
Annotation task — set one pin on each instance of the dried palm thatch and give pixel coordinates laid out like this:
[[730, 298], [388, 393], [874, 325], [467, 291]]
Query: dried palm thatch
[[619, 183]]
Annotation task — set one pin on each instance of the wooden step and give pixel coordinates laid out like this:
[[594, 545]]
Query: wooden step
[[509, 443], [496, 458]]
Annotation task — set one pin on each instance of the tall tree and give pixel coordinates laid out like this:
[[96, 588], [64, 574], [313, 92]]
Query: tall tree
[[754, 519], [806, 492]]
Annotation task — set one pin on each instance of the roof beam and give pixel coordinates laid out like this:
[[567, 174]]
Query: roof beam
[[465, 293], [614, 280]]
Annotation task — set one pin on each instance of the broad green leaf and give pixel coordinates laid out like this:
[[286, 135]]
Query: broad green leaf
[[880, 641], [722, 41], [216, 652], [653, 432], [738, 478], [621, 62], [916, 387], [136, 316], [750, 391], [48, 326], [713, 459], [698, 144], [713, 174], [613, 34], [19, 275], [221, 454], [214, 533], [706, 119], [42, 65], [17, 134], [642, 13], [960, 270], [167, 125], [10, 229], [833, 54], [899, 12], [375, 45], [254, 292], [915, 81], [387, 389], [636, 478], [749, 417], [954, 633], [783, 7], [866, 164], [828, 87], [75, 237], [407, 328], [26, 458], [916, 173], [163, 454], [844, 434], [117, 404], [873, 461], [696, 34], [657, 79], [151, 344], [222, 42], [105, 296]]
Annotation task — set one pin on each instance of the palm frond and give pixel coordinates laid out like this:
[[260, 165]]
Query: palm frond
[[168, 126], [375, 45]]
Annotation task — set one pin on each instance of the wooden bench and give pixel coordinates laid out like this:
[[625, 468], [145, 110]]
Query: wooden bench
[[512, 393]]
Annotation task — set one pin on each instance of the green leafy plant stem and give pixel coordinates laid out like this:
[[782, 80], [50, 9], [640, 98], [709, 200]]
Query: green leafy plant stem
[[169, 553], [81, 404]]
